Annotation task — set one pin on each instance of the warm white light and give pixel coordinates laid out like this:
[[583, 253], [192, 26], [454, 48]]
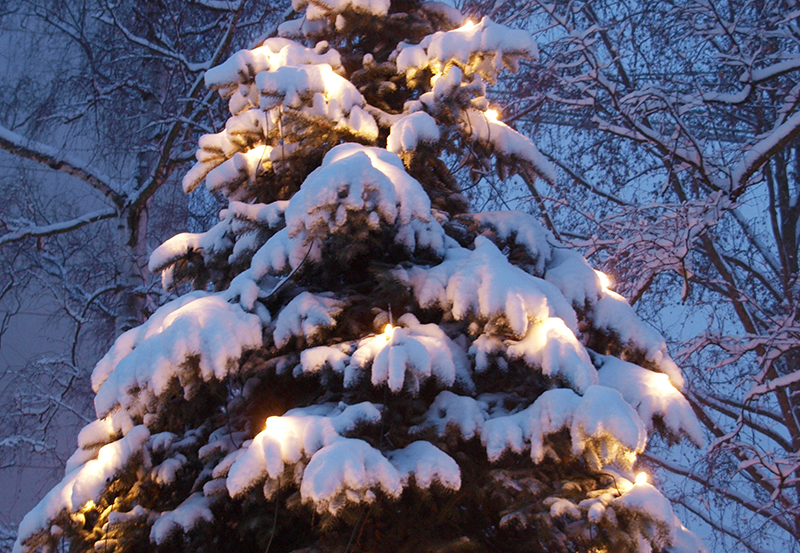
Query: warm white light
[[278, 427], [605, 280], [388, 330], [468, 24], [491, 114], [641, 478]]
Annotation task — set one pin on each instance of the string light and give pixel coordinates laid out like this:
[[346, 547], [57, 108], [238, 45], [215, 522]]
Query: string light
[[388, 331], [641, 478], [605, 280], [491, 114]]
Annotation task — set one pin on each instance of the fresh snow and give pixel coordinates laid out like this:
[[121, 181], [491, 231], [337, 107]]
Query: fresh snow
[[651, 394], [525, 230], [84, 484], [427, 464], [513, 315], [613, 314], [145, 360], [187, 515], [600, 415], [482, 282], [346, 472], [462, 46], [410, 131], [305, 317], [405, 357]]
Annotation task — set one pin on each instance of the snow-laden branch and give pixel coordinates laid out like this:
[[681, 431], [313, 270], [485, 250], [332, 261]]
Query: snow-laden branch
[[220, 5], [165, 52], [583, 181], [763, 150], [30, 149], [756, 240], [60, 227], [775, 70], [719, 526], [740, 499], [157, 177]]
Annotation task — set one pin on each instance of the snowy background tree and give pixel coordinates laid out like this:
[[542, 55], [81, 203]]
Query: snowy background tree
[[677, 123], [354, 360], [101, 105]]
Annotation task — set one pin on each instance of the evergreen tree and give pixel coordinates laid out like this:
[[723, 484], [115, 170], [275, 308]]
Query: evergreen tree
[[362, 364]]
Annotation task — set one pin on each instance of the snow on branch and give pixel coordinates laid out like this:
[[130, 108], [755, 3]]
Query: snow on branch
[[763, 150], [220, 5], [30, 149], [58, 228]]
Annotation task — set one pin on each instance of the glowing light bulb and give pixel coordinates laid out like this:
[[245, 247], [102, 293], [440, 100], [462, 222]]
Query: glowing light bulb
[[641, 478], [491, 114], [278, 428], [468, 24], [605, 280], [388, 330]]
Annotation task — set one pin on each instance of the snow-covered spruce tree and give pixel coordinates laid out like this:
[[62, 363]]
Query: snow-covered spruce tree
[[363, 364]]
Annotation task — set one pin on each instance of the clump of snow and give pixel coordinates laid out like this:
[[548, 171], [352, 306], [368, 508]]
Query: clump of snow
[[244, 65], [83, 485], [487, 349], [266, 215], [447, 13], [353, 181], [317, 91], [524, 230], [101, 431], [427, 464], [305, 316], [409, 131], [552, 346], [602, 426], [484, 48], [339, 469], [354, 178], [287, 84], [560, 507], [506, 141], [320, 9], [97, 434], [313, 359], [187, 515], [451, 411], [346, 472], [644, 498], [405, 357], [571, 274], [600, 415], [483, 283], [242, 135], [145, 359], [214, 240], [612, 313], [285, 440], [651, 394], [165, 472]]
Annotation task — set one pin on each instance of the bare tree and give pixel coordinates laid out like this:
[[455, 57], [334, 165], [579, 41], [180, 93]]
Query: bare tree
[[675, 127], [102, 101]]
